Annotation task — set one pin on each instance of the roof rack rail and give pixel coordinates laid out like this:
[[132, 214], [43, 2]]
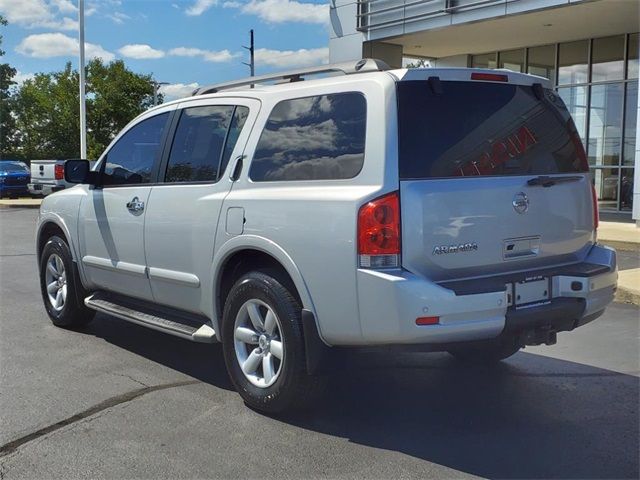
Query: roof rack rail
[[346, 68]]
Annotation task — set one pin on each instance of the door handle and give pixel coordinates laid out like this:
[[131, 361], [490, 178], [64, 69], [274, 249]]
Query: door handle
[[135, 205]]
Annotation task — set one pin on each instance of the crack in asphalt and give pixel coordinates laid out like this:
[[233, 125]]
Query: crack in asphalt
[[13, 445]]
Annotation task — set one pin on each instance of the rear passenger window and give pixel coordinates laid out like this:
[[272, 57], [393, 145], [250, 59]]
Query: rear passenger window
[[312, 138], [202, 135]]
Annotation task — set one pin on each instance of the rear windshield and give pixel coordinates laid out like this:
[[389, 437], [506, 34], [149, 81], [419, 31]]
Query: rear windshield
[[456, 129]]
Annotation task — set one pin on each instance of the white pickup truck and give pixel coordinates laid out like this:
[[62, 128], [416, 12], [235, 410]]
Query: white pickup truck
[[47, 176]]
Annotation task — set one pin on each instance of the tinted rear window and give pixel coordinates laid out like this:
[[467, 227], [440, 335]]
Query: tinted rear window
[[483, 129], [312, 138]]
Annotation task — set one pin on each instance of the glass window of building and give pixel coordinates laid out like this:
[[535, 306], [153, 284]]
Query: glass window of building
[[575, 98], [573, 62], [487, 60], [605, 124], [606, 182], [607, 59], [630, 124], [626, 189], [542, 62], [632, 62], [512, 60]]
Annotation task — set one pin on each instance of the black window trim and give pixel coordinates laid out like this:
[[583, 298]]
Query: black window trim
[[156, 164], [342, 180]]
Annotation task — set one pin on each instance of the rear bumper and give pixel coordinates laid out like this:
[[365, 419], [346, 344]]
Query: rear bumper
[[391, 301], [12, 189], [44, 188]]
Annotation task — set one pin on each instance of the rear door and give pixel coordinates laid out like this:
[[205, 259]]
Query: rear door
[[111, 219], [493, 178], [184, 207]]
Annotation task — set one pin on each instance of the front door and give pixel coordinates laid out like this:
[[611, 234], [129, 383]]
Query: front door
[[184, 208], [111, 217]]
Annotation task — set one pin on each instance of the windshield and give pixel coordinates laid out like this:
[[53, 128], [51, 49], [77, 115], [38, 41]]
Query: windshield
[[13, 167], [484, 129]]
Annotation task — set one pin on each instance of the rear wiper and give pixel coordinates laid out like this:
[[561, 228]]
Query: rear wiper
[[546, 181]]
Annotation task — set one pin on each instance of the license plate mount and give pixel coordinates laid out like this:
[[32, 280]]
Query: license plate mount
[[531, 292]]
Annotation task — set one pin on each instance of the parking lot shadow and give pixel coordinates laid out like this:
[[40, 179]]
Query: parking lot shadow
[[198, 360], [529, 417]]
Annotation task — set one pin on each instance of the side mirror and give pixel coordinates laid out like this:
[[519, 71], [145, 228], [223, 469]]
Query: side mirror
[[79, 171]]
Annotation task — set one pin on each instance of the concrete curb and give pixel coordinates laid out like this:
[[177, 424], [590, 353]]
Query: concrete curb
[[20, 203], [621, 245], [629, 286]]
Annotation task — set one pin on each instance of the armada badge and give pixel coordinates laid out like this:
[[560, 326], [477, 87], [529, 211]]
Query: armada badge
[[462, 247]]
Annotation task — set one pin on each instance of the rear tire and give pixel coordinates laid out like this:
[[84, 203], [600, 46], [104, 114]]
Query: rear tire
[[264, 346], [62, 294], [487, 353]]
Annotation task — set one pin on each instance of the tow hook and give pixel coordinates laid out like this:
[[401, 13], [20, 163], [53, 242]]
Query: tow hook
[[539, 336]]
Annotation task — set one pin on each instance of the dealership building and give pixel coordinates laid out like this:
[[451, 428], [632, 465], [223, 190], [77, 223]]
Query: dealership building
[[587, 48]]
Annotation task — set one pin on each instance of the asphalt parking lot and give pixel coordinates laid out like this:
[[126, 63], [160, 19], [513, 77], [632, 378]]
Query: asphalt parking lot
[[119, 401]]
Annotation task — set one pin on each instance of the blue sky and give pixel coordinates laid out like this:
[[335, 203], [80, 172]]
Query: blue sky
[[184, 42]]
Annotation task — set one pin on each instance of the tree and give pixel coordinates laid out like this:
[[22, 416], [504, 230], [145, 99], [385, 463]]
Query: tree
[[47, 112], [7, 122]]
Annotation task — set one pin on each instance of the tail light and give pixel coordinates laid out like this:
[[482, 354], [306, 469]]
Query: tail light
[[596, 212], [59, 172], [379, 232]]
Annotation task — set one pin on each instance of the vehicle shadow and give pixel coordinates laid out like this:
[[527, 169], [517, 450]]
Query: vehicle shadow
[[529, 417], [201, 361]]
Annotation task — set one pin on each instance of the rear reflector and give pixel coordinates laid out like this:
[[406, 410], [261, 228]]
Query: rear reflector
[[427, 320], [489, 77]]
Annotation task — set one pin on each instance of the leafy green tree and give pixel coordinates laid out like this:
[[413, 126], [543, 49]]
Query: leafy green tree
[[46, 109], [7, 122]]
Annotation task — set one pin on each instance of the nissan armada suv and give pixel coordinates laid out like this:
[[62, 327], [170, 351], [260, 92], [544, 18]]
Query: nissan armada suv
[[450, 209]]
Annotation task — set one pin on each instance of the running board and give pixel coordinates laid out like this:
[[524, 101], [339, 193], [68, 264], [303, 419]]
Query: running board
[[163, 320]]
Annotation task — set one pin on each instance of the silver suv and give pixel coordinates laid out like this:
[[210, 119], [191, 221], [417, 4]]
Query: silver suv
[[446, 208]]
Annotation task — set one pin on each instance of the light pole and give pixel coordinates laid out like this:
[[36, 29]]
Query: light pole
[[156, 86], [83, 110]]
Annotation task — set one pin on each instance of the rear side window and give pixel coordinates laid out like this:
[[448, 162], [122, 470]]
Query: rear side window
[[484, 129], [312, 138], [198, 144], [132, 158]]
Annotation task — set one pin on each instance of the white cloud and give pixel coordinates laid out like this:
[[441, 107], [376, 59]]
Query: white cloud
[[200, 6], [21, 77], [178, 90], [231, 4], [65, 6], [140, 51], [281, 11], [118, 17], [38, 14], [45, 45], [207, 55], [291, 58]]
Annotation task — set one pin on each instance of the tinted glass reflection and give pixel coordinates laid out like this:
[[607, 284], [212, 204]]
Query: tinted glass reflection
[[131, 159], [312, 138], [198, 142]]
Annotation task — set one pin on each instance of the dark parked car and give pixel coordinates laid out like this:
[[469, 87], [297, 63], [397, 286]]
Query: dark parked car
[[14, 178]]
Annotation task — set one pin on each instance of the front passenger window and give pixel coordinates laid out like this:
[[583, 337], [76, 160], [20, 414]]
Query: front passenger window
[[131, 159]]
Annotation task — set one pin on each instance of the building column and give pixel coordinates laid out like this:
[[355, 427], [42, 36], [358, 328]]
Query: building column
[[636, 173]]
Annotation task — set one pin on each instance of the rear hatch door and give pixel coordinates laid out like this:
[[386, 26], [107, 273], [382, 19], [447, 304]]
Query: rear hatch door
[[493, 179]]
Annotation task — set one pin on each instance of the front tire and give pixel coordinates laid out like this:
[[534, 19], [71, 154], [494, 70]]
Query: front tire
[[264, 346], [61, 292]]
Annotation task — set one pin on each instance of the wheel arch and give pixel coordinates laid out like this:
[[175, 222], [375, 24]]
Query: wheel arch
[[248, 252], [50, 226]]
